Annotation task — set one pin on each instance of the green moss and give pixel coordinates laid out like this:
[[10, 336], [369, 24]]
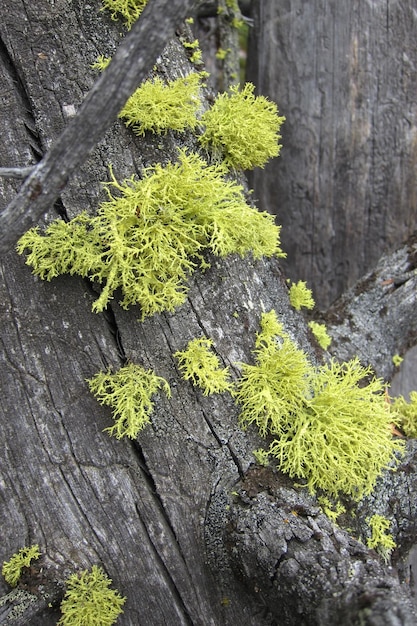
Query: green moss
[[330, 426], [12, 569], [200, 365], [152, 235], [320, 333], [89, 601], [405, 414], [128, 10], [157, 106], [242, 129], [301, 296], [129, 392], [380, 540]]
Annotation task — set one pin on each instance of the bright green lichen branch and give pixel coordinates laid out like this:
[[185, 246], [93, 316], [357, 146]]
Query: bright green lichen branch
[[301, 295], [200, 365], [270, 391], [151, 236], [320, 333], [380, 540], [242, 128], [330, 427], [128, 10], [129, 392], [405, 414], [157, 106], [89, 601], [12, 569]]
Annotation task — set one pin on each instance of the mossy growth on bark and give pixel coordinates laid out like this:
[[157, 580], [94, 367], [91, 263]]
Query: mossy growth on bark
[[405, 414], [380, 540], [89, 601], [12, 569], [242, 129], [129, 392], [151, 236], [201, 366], [301, 296], [330, 425], [128, 10]]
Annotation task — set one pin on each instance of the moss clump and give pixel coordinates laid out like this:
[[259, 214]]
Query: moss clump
[[301, 296], [329, 426], [128, 10], [405, 414], [380, 540], [129, 392], [242, 129], [152, 235], [200, 365], [320, 333], [12, 569], [89, 601], [157, 106]]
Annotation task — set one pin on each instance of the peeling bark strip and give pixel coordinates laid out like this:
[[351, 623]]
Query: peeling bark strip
[[128, 68]]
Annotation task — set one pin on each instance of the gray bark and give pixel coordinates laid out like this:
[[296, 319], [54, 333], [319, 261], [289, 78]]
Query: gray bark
[[159, 514], [375, 319], [345, 76]]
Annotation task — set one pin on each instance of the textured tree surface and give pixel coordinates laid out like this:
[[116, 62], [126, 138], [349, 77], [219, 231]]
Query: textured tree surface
[[344, 75], [185, 524]]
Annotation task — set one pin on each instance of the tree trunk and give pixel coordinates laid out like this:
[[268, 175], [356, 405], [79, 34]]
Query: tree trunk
[[345, 76], [175, 516]]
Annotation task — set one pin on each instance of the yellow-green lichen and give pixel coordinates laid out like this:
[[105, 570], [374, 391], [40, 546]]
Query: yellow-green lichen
[[380, 540], [397, 360], [261, 457], [12, 569], [331, 425], [157, 106], [128, 10], [89, 601], [149, 238], [129, 392], [200, 365], [333, 510], [405, 414], [320, 333], [242, 129], [301, 296]]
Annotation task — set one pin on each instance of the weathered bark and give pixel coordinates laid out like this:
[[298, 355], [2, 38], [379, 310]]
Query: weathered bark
[[158, 513], [345, 76], [376, 318]]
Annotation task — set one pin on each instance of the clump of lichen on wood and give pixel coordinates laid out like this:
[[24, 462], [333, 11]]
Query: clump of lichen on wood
[[331, 425]]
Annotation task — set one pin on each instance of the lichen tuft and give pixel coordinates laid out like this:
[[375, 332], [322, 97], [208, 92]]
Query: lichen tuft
[[200, 365], [12, 569], [128, 10], [330, 425], [129, 392], [152, 235], [89, 601], [242, 129]]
